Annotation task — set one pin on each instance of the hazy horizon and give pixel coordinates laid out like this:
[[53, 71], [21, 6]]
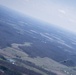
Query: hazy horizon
[[58, 12]]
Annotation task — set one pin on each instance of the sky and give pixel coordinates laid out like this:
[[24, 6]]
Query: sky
[[58, 12]]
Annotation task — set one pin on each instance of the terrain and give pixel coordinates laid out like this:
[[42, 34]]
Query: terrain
[[32, 47]]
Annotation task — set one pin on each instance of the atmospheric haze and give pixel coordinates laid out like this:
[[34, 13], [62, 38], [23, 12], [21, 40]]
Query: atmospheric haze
[[59, 12]]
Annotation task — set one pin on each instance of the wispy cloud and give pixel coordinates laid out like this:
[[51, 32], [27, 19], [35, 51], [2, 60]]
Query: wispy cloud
[[62, 11]]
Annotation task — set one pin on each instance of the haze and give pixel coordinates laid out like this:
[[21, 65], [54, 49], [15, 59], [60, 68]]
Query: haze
[[59, 12]]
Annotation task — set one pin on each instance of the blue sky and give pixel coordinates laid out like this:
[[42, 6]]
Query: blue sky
[[59, 12]]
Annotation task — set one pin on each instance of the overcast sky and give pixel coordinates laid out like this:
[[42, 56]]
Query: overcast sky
[[58, 12]]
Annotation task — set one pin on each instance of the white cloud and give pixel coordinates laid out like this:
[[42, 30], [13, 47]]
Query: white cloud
[[62, 11]]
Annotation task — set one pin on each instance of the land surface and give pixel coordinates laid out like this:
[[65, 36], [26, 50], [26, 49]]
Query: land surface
[[31, 47]]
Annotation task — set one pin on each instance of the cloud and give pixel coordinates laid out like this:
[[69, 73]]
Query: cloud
[[62, 11]]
